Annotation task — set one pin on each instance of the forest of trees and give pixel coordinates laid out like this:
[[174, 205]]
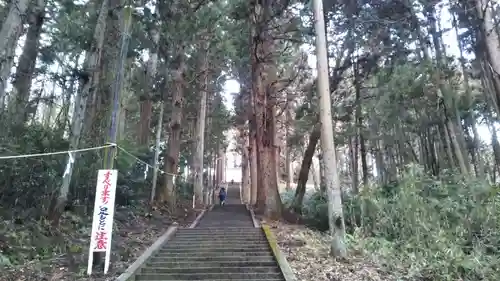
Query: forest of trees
[[418, 181]]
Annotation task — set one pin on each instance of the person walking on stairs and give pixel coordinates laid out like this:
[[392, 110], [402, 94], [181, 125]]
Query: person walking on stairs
[[222, 196]]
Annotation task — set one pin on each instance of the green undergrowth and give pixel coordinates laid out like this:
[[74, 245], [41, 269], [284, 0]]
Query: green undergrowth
[[423, 228], [27, 240]]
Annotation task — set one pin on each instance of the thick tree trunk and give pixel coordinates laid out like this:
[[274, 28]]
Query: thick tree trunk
[[200, 131], [145, 99], [12, 28], [462, 163], [69, 91], [264, 92], [217, 166], [26, 66], [101, 100], [245, 172], [491, 41], [495, 145], [167, 194], [288, 151], [259, 98], [364, 162], [316, 177], [253, 169], [143, 130], [5, 68], [353, 152], [273, 200], [379, 161], [321, 165], [159, 128], [332, 181], [223, 163], [265, 137]]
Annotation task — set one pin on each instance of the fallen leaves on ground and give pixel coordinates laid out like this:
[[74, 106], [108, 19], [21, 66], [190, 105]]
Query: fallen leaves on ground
[[307, 253], [134, 231]]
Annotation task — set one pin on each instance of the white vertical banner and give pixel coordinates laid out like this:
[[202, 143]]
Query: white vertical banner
[[102, 221]]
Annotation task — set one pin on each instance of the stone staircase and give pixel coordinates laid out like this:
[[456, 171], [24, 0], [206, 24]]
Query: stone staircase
[[224, 246]]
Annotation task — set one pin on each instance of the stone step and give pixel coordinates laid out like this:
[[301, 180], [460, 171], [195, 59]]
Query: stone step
[[219, 238], [229, 211], [208, 276], [222, 224], [221, 218], [181, 254], [214, 230], [214, 243], [228, 228], [246, 279], [212, 270], [207, 259], [236, 236], [229, 214], [242, 222], [225, 229], [225, 279], [219, 234], [239, 220], [220, 230], [262, 261], [206, 250]]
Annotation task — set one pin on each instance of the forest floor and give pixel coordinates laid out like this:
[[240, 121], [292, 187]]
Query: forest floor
[[307, 253], [42, 253]]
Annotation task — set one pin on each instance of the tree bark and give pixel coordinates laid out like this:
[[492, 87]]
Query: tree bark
[[172, 155], [263, 89], [12, 28], [491, 41], [145, 100], [288, 151], [245, 172], [159, 127], [253, 169], [26, 66], [332, 181], [304, 170], [200, 130]]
